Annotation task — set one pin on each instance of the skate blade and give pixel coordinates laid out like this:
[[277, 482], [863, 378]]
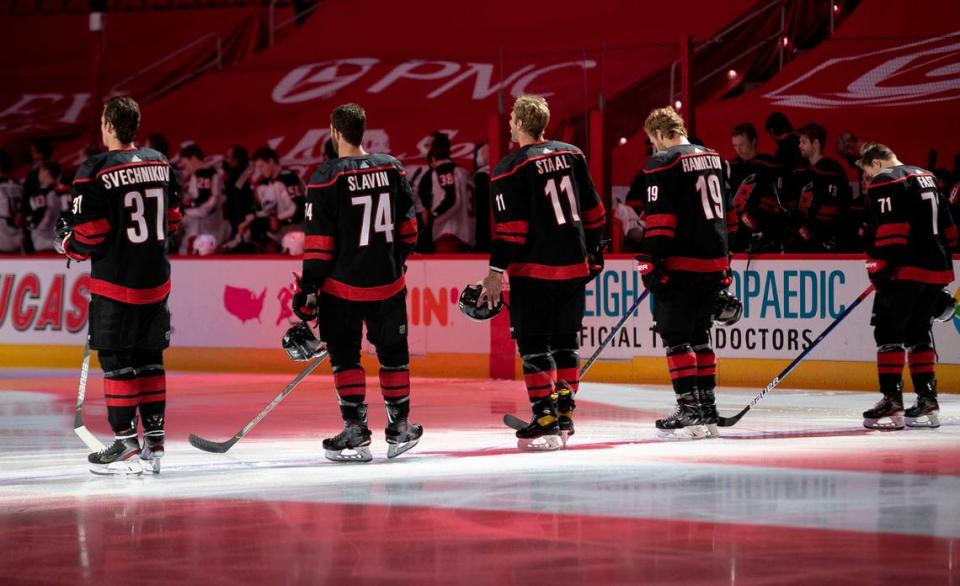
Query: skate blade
[[394, 450], [361, 454], [692, 432], [151, 463], [122, 468], [565, 437], [712, 430], [929, 421], [894, 423], [546, 443]]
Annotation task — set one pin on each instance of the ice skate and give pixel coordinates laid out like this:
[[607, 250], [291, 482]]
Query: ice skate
[[926, 413], [684, 422], [152, 451], [350, 445], [119, 459], [708, 412], [543, 433], [401, 435], [565, 408], [887, 414]]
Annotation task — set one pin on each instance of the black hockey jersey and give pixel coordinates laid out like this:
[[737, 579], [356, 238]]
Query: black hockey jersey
[[688, 211], [756, 185], [360, 227], [824, 201], [547, 214], [910, 225], [281, 197], [199, 190], [125, 205]]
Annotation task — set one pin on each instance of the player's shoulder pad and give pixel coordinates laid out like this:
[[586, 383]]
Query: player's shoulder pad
[[557, 145], [324, 174], [88, 169], [508, 164], [148, 154], [383, 159], [661, 160], [828, 166]]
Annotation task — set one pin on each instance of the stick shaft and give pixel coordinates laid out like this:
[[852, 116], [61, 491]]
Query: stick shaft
[[596, 353]]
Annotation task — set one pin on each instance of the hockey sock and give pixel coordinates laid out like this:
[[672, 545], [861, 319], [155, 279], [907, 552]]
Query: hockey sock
[[682, 363], [120, 390], [706, 367], [568, 369], [395, 386], [539, 373], [351, 385], [890, 358], [923, 360], [152, 384]]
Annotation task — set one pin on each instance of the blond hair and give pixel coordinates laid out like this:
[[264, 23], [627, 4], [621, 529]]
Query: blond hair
[[532, 113], [871, 152], [667, 121]]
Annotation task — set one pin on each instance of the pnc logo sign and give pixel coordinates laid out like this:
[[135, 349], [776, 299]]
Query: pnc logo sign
[[429, 306]]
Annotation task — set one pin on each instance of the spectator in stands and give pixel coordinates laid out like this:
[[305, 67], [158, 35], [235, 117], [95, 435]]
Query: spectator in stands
[[824, 200], [202, 200], [40, 152], [11, 193], [44, 206], [278, 204], [422, 192], [450, 192], [481, 186], [854, 223], [787, 154], [630, 214], [755, 181], [237, 189]]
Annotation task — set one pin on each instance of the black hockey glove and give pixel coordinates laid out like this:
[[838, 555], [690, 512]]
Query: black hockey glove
[[595, 259], [62, 231], [880, 272], [304, 303], [654, 279]]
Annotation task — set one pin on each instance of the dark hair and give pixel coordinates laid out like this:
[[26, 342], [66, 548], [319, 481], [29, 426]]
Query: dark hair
[[814, 132], [5, 162], [871, 152], [240, 154], [124, 115], [52, 167], [328, 150], [745, 129], [440, 147], [191, 151], [159, 143], [351, 121], [43, 147], [778, 123], [265, 154]]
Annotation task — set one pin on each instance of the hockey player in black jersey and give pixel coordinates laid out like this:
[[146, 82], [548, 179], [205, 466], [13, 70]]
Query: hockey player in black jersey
[[911, 234], [548, 221], [125, 207], [824, 198], [360, 227], [755, 182], [685, 265]]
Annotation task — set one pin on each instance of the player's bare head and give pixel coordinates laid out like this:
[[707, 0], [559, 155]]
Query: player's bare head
[[192, 157], [439, 147], [777, 124], [663, 125], [744, 140], [874, 157], [348, 122], [812, 139], [121, 119], [265, 162], [530, 117]]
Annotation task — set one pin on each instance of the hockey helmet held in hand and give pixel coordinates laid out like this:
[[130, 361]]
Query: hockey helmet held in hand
[[728, 309], [300, 343], [945, 307], [469, 307]]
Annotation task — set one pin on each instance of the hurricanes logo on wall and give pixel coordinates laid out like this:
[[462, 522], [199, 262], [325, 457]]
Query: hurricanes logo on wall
[[924, 72]]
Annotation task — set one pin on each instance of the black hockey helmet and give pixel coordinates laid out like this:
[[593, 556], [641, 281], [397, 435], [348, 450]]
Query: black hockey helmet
[[300, 343], [469, 307], [728, 309], [945, 307]]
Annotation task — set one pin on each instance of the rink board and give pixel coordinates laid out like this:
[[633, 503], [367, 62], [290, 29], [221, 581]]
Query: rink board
[[229, 314]]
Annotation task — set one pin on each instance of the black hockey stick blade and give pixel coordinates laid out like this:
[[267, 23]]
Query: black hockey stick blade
[[733, 419], [212, 447], [514, 422]]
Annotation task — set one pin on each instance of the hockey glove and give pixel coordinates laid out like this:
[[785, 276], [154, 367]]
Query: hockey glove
[[62, 231], [304, 302], [595, 259], [654, 279], [880, 272]]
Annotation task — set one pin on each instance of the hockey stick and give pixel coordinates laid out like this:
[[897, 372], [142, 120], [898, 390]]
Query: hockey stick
[[78, 427], [221, 447], [731, 421], [514, 422]]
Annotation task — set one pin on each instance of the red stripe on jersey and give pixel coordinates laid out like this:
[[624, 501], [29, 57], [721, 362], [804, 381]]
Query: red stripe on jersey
[[318, 243], [84, 180], [925, 275], [91, 241], [125, 165], [532, 159], [129, 294], [548, 272], [173, 219], [664, 232], [890, 241], [696, 265], [595, 224], [594, 214], [408, 227], [678, 159], [93, 227], [317, 256], [952, 236], [72, 254], [408, 239], [662, 220], [354, 172], [517, 227], [898, 180], [354, 293], [510, 239]]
